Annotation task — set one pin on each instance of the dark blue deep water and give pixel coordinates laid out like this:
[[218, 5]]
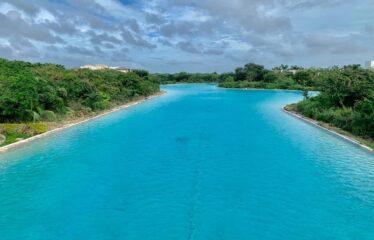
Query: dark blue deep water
[[198, 163]]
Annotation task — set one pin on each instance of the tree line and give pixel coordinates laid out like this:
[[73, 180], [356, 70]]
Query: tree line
[[184, 77], [250, 76], [283, 77]]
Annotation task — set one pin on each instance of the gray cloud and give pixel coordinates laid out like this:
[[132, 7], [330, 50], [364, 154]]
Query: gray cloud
[[305, 4], [334, 44], [26, 6], [62, 27], [136, 40], [99, 39], [14, 26], [80, 51], [121, 55], [188, 47], [154, 19], [6, 51]]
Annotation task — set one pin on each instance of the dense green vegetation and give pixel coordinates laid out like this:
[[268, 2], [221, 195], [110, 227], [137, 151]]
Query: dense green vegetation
[[46, 92], [283, 77], [184, 77], [40, 93], [346, 100], [252, 76]]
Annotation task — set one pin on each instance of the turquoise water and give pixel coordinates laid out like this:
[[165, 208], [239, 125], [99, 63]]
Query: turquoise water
[[196, 163]]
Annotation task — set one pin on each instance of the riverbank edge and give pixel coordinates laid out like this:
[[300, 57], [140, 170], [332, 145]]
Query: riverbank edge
[[331, 129], [79, 121]]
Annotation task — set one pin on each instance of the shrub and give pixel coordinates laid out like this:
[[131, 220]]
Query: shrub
[[343, 118], [48, 116]]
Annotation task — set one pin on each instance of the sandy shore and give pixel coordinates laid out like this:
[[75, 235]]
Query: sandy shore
[[319, 125], [75, 122]]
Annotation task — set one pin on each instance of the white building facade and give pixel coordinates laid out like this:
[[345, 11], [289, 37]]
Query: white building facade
[[370, 64], [95, 67], [103, 67]]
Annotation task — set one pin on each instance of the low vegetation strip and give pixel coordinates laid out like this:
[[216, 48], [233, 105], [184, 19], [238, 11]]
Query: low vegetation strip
[[40, 130], [365, 143], [13, 132]]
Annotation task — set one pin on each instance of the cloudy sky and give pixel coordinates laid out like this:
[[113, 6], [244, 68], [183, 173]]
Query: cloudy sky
[[190, 35]]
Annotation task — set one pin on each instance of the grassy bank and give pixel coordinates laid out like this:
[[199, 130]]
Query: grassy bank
[[16, 132]]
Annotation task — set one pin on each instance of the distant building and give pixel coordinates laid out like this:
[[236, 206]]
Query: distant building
[[95, 67], [103, 66], [370, 64]]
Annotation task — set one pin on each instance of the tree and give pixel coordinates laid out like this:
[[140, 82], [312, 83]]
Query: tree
[[254, 72], [140, 72], [240, 74]]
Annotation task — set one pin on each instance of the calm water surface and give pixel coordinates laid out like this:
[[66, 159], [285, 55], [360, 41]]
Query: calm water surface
[[197, 163]]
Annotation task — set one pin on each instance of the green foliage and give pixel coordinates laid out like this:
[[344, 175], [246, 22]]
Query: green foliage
[[35, 92], [184, 77], [141, 73], [363, 123], [282, 77], [346, 100], [303, 78], [345, 86], [48, 116], [11, 138]]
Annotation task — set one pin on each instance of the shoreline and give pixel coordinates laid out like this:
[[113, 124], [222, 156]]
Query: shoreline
[[76, 122], [320, 125]]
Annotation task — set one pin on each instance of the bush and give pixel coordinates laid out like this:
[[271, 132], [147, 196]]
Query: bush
[[363, 122], [48, 116], [343, 118]]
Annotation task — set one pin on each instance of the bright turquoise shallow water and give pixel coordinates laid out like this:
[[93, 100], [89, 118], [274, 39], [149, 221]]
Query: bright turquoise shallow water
[[197, 163]]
